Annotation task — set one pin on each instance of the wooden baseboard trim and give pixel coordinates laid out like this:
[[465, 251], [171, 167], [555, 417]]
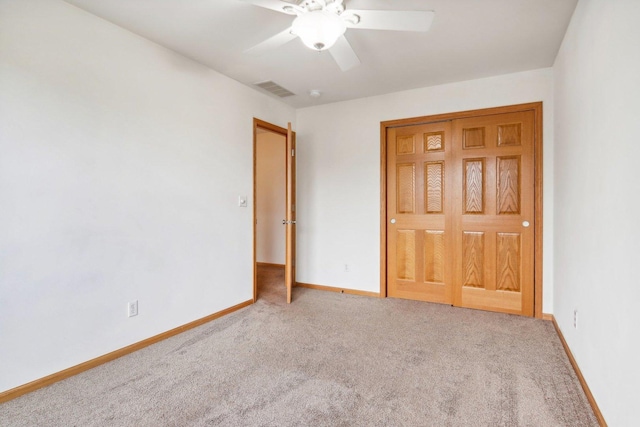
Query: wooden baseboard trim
[[547, 316], [269, 264], [338, 290], [583, 382], [85, 366]]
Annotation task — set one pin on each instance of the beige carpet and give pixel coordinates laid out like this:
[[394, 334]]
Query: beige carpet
[[327, 360]]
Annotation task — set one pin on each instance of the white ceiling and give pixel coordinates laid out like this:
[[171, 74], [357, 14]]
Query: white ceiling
[[469, 39]]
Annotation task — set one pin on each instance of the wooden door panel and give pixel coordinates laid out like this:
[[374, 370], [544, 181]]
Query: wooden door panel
[[434, 187], [473, 264], [494, 173], [419, 264], [406, 255], [508, 188], [473, 185], [434, 256], [508, 262], [406, 188]]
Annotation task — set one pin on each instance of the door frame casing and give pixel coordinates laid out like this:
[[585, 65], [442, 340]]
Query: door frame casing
[[536, 107], [257, 123]]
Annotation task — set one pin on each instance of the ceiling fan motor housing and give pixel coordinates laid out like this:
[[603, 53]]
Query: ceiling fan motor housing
[[334, 6], [318, 29]]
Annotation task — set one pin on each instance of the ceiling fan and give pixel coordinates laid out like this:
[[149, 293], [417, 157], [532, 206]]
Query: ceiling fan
[[321, 25]]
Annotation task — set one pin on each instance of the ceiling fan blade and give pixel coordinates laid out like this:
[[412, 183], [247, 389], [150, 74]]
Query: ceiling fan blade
[[344, 54], [395, 20], [272, 42], [276, 5]]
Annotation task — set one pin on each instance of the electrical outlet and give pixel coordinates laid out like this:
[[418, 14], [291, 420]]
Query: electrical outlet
[[575, 319], [242, 201], [132, 308]]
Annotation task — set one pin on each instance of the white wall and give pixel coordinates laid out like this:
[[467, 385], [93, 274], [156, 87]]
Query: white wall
[[121, 164], [339, 173], [271, 196], [597, 238]]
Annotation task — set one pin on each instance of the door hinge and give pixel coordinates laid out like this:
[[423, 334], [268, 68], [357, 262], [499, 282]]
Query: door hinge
[[293, 152], [285, 222]]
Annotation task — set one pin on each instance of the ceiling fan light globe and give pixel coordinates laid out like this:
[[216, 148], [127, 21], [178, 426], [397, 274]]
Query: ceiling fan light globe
[[319, 29]]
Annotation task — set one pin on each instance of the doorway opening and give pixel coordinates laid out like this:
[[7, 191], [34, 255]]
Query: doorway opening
[[273, 234]]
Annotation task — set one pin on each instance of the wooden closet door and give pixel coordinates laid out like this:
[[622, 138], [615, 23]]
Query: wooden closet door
[[419, 238], [493, 216]]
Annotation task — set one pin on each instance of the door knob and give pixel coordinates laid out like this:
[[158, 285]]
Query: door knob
[[525, 223], [393, 221]]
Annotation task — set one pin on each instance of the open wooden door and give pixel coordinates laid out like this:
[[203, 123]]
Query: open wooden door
[[290, 221], [288, 139]]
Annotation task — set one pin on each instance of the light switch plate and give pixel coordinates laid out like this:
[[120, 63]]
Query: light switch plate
[[242, 201], [132, 308]]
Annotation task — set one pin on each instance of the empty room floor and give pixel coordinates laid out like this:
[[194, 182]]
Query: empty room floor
[[328, 359]]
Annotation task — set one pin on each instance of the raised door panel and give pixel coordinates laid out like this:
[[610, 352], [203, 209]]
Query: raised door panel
[[435, 256], [406, 188], [508, 189], [508, 262], [473, 268], [473, 185], [434, 187], [406, 255]]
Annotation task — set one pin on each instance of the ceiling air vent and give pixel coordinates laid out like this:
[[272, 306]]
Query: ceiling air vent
[[275, 89]]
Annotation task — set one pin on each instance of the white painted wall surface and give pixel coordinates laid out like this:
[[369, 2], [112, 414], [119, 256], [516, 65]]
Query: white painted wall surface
[[121, 164], [597, 237], [339, 173], [271, 196]]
